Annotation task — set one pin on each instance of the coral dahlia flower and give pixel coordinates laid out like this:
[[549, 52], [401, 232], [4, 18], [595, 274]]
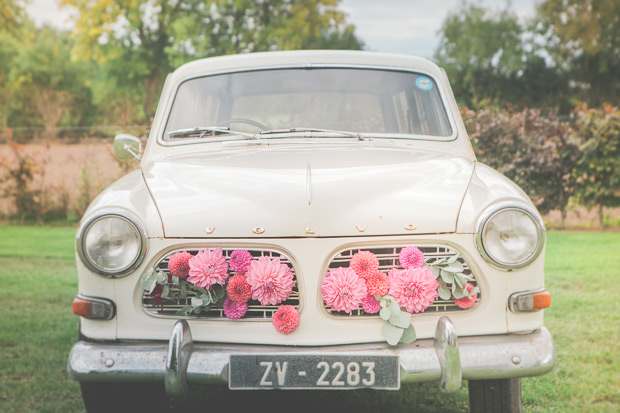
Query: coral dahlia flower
[[238, 289], [364, 263], [370, 305], [286, 319], [411, 257], [234, 310], [271, 281], [208, 267], [178, 264], [466, 302], [343, 289], [378, 284], [414, 289], [240, 260]]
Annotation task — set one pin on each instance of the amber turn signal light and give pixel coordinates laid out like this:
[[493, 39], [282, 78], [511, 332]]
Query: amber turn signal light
[[93, 308], [527, 301]]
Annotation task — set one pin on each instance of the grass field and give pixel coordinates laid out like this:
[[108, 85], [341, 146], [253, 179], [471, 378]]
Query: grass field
[[37, 330]]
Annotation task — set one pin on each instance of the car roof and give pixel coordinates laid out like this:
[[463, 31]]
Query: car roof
[[303, 58]]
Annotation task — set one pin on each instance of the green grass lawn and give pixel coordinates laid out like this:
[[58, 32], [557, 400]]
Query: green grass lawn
[[37, 330]]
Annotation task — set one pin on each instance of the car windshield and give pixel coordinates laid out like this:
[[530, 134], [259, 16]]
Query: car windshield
[[372, 102]]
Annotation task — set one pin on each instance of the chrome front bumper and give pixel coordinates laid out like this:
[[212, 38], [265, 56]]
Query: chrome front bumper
[[443, 359]]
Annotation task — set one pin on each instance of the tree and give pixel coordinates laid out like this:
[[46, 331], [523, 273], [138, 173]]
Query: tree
[[538, 152], [583, 37], [12, 15], [490, 57], [47, 88], [477, 48], [599, 169], [140, 42]]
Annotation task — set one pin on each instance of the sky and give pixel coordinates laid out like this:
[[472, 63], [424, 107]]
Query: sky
[[392, 26]]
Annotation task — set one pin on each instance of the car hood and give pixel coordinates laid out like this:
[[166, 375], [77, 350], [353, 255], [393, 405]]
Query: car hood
[[288, 192]]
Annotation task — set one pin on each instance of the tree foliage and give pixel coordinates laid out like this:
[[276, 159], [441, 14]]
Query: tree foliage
[[12, 15], [479, 50], [538, 152], [141, 42], [599, 168], [583, 38], [47, 88]]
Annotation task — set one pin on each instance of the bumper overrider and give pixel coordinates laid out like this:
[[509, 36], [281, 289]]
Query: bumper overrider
[[445, 359]]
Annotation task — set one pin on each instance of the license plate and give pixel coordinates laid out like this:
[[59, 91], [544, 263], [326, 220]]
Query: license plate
[[314, 372]]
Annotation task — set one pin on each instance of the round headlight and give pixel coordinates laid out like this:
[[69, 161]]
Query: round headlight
[[511, 237], [111, 245]]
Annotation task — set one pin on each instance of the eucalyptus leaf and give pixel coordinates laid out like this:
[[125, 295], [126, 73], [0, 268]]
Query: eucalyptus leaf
[[197, 310], [453, 288], [385, 313], [453, 269], [448, 277], [383, 303], [148, 284], [474, 290], [458, 294], [394, 303], [165, 291], [401, 319], [409, 335], [196, 302], [161, 277], [435, 271], [444, 293], [461, 283], [453, 258], [175, 281], [392, 334]]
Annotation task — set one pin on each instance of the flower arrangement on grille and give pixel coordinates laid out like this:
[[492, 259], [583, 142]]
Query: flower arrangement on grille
[[208, 279], [402, 291]]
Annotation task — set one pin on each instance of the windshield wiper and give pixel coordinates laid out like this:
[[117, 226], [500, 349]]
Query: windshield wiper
[[203, 131], [293, 129]]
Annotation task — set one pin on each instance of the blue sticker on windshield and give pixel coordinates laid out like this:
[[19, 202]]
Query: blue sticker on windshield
[[424, 83]]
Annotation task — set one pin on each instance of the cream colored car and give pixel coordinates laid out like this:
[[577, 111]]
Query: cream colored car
[[309, 220]]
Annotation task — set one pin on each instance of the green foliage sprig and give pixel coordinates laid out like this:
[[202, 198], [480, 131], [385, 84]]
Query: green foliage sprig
[[452, 280], [201, 300], [397, 327]]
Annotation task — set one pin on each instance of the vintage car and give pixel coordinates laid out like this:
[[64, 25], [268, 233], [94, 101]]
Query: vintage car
[[309, 220]]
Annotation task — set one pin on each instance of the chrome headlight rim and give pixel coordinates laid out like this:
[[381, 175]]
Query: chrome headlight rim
[[496, 209], [125, 215]]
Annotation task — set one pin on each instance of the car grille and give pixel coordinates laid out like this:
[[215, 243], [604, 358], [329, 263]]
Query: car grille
[[388, 259], [171, 306]]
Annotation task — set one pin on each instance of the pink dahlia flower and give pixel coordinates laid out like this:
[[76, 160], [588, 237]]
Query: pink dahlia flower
[[286, 319], [234, 310], [343, 289], [238, 289], [178, 264], [240, 260], [411, 257], [208, 267], [466, 302], [370, 305], [378, 284], [271, 281], [414, 289], [364, 263]]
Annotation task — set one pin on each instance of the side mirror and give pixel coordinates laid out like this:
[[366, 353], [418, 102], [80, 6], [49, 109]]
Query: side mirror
[[127, 147]]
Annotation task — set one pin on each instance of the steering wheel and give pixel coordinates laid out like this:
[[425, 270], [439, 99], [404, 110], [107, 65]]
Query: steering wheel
[[243, 120]]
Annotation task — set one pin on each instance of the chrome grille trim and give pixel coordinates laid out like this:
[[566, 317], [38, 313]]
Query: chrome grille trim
[[388, 259], [256, 312]]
